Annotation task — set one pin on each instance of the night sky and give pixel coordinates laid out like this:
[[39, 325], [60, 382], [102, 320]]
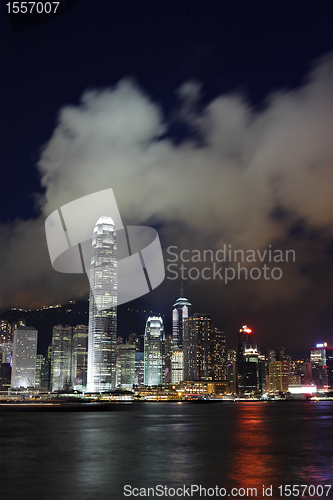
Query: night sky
[[211, 121]]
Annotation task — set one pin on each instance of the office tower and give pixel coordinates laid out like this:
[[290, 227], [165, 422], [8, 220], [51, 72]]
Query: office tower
[[306, 373], [126, 362], [191, 349], [39, 362], [271, 356], [154, 351], [102, 334], [220, 355], [61, 357], [177, 366], [5, 331], [24, 357], [5, 376], [279, 376], [245, 340], [139, 368], [45, 374], [205, 349], [180, 313], [136, 340], [167, 358], [282, 353], [79, 357], [318, 360], [329, 364], [250, 363], [6, 350], [231, 371]]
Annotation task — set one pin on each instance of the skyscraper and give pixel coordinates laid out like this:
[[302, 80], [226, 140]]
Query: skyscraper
[[250, 363], [24, 357], [126, 362], [80, 356], [279, 375], [205, 354], [102, 334], [318, 360], [154, 351], [180, 313], [61, 354]]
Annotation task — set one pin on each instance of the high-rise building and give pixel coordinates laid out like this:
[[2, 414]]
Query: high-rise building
[[61, 358], [177, 366], [180, 313], [6, 350], [279, 376], [154, 351], [250, 363], [102, 334], [271, 355], [80, 356], [220, 355], [318, 360], [306, 373], [126, 361], [139, 368], [24, 357], [167, 358], [5, 331], [39, 363], [329, 364], [205, 349], [282, 353]]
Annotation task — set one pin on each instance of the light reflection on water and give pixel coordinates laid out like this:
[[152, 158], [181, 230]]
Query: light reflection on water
[[88, 456]]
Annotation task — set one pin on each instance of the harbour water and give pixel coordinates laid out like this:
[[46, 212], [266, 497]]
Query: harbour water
[[92, 456]]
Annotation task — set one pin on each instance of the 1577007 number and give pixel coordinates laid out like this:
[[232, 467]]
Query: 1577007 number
[[29, 7], [300, 490]]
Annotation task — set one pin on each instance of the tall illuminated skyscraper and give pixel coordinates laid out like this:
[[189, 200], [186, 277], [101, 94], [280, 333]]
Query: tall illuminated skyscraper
[[24, 357], [154, 351], [61, 354], [180, 313], [102, 333]]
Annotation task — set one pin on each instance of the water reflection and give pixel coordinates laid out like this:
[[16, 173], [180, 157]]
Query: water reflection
[[91, 456]]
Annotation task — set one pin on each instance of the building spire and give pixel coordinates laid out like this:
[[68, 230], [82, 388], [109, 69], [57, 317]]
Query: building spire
[[181, 289]]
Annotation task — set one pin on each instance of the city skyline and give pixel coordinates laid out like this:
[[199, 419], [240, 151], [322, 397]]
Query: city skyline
[[211, 124]]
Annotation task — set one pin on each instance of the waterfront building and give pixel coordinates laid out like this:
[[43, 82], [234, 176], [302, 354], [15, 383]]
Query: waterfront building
[[6, 351], [61, 357], [139, 368], [167, 358], [180, 313], [177, 366], [271, 356], [220, 355], [279, 376], [306, 373], [318, 360], [329, 364], [251, 375], [39, 362], [24, 357], [154, 351], [102, 333], [126, 365], [205, 349], [80, 357]]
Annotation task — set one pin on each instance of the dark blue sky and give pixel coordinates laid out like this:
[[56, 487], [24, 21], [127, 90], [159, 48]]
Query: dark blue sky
[[253, 47]]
